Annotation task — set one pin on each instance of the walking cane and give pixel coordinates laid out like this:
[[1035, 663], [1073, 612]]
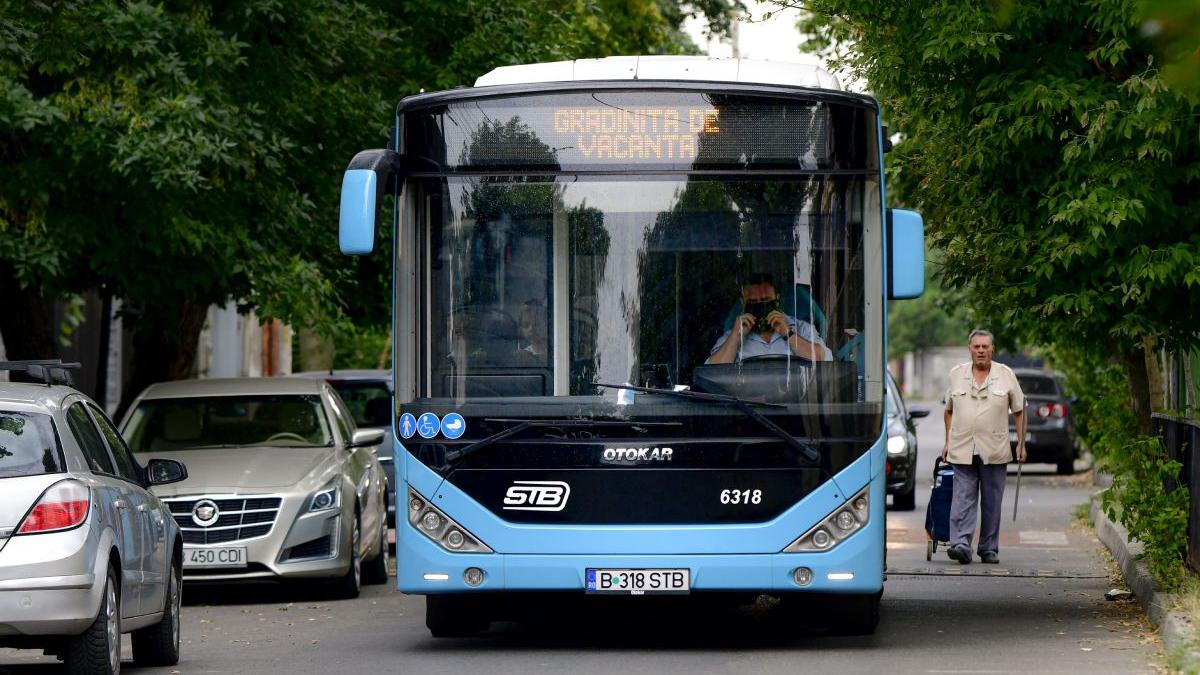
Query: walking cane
[[1017, 499]]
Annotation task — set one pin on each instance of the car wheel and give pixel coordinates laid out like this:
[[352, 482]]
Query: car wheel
[[905, 501], [376, 569], [1066, 467], [98, 649], [349, 585], [457, 615], [158, 645]]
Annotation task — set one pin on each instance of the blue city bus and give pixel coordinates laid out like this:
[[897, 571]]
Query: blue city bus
[[576, 245]]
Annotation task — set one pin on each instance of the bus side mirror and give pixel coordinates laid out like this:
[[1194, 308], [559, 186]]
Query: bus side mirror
[[906, 254], [364, 185]]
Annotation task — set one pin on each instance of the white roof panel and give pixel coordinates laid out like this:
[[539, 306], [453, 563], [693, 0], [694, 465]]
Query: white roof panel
[[665, 68]]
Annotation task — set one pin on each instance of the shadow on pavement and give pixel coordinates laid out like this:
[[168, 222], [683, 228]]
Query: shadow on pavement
[[258, 593]]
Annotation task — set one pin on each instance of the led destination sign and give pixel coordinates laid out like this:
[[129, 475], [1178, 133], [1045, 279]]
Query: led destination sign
[[637, 133], [640, 130]]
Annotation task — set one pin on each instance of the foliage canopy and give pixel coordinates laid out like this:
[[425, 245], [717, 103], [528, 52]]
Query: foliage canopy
[[185, 153]]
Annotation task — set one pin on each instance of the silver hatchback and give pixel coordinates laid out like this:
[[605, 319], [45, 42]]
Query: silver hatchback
[[87, 553]]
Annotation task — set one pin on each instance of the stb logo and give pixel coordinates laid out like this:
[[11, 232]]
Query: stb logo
[[537, 495]]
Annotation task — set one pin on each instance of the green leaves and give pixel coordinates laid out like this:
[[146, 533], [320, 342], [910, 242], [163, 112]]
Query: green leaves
[[1052, 161], [1058, 170]]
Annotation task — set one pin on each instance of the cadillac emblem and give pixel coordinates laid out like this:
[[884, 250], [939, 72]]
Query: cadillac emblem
[[205, 513]]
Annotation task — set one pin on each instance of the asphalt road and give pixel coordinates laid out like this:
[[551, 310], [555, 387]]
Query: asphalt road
[[1041, 610]]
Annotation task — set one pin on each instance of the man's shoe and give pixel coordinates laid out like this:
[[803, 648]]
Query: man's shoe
[[962, 555], [989, 557]]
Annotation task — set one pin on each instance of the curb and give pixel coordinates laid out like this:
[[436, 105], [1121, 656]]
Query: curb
[[1175, 628]]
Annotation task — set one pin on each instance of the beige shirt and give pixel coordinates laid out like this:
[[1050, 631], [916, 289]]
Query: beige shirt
[[980, 414]]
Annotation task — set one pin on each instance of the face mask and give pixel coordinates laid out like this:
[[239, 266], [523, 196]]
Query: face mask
[[760, 309]]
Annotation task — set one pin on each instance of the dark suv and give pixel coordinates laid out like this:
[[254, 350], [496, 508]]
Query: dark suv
[[1050, 434]]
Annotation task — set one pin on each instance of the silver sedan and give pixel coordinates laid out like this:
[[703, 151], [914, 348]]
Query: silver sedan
[[282, 484], [87, 553]]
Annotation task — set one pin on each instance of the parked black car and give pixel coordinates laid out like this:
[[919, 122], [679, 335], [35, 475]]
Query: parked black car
[[901, 448], [1050, 435]]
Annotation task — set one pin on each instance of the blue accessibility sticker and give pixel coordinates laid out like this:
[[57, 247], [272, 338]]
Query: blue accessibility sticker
[[408, 425], [428, 425], [453, 426]]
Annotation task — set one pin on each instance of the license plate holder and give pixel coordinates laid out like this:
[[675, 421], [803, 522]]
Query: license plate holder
[[635, 581], [212, 557], [1012, 436]]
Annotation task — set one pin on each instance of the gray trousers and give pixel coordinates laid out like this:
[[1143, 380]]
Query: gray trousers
[[977, 483]]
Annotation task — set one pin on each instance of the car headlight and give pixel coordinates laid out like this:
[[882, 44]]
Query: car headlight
[[897, 445], [431, 522], [847, 519], [328, 497]]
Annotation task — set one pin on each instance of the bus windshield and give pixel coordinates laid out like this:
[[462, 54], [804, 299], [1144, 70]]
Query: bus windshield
[[538, 285]]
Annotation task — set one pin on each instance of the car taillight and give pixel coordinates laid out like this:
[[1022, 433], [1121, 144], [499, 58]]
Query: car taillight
[[1052, 410], [63, 506]]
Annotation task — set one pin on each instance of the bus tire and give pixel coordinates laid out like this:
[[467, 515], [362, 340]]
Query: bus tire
[[455, 615], [856, 614]]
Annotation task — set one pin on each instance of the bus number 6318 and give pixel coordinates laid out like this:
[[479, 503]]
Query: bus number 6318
[[741, 496]]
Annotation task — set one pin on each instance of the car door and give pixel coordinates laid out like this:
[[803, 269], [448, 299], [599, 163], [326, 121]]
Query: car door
[[116, 502], [154, 552]]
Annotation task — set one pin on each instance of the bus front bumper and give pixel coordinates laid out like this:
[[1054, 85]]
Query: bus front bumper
[[853, 566]]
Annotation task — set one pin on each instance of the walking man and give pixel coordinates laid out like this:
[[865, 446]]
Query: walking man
[[978, 400]]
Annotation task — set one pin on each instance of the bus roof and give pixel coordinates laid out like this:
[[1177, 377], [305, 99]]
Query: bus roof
[[700, 68]]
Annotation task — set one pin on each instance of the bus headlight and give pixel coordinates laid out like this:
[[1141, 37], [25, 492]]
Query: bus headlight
[[847, 519], [897, 445], [431, 522]]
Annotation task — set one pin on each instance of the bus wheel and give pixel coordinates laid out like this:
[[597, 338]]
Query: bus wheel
[[856, 614], [455, 615]]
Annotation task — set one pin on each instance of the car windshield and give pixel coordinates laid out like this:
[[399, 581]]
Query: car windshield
[[369, 401], [28, 445], [1037, 385], [165, 425]]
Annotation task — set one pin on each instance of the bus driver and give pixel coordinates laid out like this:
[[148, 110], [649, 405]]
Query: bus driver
[[764, 329]]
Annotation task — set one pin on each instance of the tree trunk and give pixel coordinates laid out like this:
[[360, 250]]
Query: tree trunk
[[1154, 372], [164, 347], [1137, 382], [25, 321]]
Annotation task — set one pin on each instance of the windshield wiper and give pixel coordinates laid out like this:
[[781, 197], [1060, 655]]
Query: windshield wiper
[[454, 457], [744, 405]]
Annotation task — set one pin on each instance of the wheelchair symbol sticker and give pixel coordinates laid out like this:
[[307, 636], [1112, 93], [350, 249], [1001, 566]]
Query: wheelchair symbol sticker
[[408, 425], [428, 425], [453, 426]]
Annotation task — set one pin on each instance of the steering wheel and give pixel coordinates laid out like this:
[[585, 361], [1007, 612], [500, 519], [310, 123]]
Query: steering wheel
[[771, 358], [286, 434]]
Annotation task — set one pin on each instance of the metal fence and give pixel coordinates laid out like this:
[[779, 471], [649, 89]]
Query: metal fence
[[1181, 437]]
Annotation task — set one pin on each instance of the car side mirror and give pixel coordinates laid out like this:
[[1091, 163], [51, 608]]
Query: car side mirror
[[916, 412], [365, 438], [166, 471]]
